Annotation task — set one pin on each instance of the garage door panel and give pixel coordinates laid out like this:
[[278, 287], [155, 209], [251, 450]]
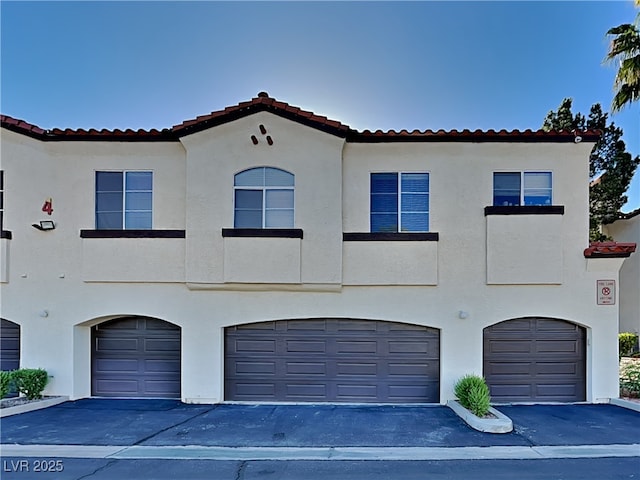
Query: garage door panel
[[351, 361], [564, 347], [559, 368], [306, 390], [346, 326], [257, 346], [161, 345], [349, 347], [551, 325], [509, 346], [165, 388], [551, 369], [418, 370], [258, 328], [409, 347], [306, 346], [118, 387], [357, 369], [305, 326], [136, 362], [120, 345], [511, 368], [116, 365], [411, 392], [306, 368], [162, 366]]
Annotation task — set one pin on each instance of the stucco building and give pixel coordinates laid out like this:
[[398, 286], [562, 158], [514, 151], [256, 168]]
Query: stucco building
[[627, 229], [265, 253]]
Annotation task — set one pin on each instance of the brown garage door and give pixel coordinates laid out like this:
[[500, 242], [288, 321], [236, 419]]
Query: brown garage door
[[9, 345], [332, 360], [535, 359], [136, 357]]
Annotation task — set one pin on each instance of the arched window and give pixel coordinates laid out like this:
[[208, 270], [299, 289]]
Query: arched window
[[263, 198]]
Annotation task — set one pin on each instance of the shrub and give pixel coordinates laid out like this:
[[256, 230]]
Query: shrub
[[31, 382], [473, 393], [6, 382], [627, 343], [630, 379]]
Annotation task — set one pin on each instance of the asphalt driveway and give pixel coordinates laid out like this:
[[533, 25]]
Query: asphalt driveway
[[171, 423]]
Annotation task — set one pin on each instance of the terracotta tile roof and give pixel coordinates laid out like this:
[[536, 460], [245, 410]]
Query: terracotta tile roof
[[609, 250], [262, 102]]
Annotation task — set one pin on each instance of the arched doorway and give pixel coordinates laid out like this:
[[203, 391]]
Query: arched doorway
[[332, 360], [535, 360], [135, 357]]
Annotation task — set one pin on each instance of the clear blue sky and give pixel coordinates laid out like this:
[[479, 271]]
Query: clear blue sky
[[371, 65]]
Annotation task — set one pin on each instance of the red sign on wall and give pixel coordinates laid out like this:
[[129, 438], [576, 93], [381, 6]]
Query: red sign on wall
[[606, 292]]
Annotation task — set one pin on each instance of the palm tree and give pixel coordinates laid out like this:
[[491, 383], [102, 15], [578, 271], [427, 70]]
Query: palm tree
[[625, 47]]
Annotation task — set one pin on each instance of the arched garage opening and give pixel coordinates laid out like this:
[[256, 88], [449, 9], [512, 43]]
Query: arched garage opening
[[135, 357], [535, 360], [332, 360], [9, 347]]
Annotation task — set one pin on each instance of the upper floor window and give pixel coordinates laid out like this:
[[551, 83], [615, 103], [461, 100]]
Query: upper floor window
[[263, 198], [124, 200], [399, 202], [522, 188]]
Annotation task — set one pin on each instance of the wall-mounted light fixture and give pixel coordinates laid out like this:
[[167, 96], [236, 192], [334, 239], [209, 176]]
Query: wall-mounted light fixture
[[44, 225], [44, 313], [463, 314]]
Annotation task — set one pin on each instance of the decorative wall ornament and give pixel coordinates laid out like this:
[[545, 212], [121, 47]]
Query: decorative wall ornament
[[263, 132]]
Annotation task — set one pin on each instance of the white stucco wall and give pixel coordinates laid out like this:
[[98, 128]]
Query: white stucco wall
[[628, 230], [206, 282]]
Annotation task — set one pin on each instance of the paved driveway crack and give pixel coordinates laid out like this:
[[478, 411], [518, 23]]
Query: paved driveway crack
[[148, 437], [99, 469]]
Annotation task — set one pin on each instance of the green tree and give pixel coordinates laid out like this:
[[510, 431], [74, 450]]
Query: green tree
[[611, 167], [625, 48]]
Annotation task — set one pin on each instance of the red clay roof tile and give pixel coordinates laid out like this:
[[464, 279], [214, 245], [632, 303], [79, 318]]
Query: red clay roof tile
[[262, 102], [609, 250]]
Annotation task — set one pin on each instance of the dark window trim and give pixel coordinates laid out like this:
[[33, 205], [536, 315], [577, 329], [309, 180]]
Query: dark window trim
[[390, 237], [132, 234], [6, 234], [524, 210], [263, 232]]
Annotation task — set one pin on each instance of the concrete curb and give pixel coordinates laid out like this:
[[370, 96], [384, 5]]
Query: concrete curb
[[188, 452], [619, 402], [500, 424], [30, 407]]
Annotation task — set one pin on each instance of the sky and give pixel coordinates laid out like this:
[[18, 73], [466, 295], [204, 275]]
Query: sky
[[371, 65]]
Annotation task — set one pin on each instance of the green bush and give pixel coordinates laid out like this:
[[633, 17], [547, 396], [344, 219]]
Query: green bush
[[627, 343], [630, 379], [6, 382], [31, 382], [473, 393]]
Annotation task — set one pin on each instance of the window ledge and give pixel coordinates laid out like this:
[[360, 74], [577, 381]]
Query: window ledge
[[525, 210], [6, 234], [390, 237], [132, 234], [263, 232]]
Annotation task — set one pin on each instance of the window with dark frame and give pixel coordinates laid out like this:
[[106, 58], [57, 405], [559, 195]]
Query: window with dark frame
[[264, 198], [399, 202], [124, 200], [522, 188]]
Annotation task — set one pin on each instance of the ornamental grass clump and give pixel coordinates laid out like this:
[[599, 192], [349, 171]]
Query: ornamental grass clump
[[473, 394]]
